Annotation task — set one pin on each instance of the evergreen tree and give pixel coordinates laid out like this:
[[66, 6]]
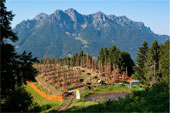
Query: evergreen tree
[[111, 51], [81, 53], [106, 54], [5, 21], [140, 62], [101, 55], [164, 62], [126, 62], [114, 56], [15, 69], [151, 67]]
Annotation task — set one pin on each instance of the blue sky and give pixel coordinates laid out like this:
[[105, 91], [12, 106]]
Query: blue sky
[[154, 13]]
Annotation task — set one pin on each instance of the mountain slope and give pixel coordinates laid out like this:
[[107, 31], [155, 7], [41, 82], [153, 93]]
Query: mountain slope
[[67, 32]]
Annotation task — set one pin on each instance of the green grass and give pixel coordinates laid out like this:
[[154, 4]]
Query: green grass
[[137, 101], [79, 104], [109, 88], [44, 104], [83, 103], [41, 88]]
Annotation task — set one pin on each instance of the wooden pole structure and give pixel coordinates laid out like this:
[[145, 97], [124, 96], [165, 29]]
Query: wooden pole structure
[[95, 65], [126, 71], [92, 64], [87, 60]]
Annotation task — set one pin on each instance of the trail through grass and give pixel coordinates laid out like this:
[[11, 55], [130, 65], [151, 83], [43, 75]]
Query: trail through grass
[[44, 104]]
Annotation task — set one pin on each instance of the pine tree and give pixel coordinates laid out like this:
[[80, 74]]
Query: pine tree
[[15, 69], [106, 54], [114, 56], [101, 56], [151, 67], [5, 21], [126, 62], [140, 62], [164, 62]]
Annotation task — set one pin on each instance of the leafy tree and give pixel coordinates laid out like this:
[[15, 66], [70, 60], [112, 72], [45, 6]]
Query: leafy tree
[[15, 69], [140, 62], [152, 64]]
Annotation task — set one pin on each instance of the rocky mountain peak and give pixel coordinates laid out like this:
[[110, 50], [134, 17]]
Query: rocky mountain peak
[[74, 15], [70, 10], [40, 16], [99, 16], [58, 11]]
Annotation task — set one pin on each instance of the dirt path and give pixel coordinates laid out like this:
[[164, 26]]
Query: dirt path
[[45, 85], [66, 104]]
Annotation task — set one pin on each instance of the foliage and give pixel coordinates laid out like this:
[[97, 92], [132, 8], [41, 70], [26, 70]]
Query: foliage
[[15, 69], [155, 99], [152, 64], [18, 100], [116, 57], [164, 62], [140, 62], [5, 21], [126, 62]]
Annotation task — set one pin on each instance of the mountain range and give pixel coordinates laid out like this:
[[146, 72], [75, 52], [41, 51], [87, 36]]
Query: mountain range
[[63, 33]]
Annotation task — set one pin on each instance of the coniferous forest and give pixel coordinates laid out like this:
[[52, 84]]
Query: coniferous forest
[[82, 71]]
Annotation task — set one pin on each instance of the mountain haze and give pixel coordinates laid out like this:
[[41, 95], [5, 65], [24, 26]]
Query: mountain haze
[[65, 32]]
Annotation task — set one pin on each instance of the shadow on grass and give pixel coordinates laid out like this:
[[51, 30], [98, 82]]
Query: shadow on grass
[[93, 108], [41, 108]]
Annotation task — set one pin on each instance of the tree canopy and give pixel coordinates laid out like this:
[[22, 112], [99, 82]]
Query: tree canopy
[[152, 64], [16, 69]]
